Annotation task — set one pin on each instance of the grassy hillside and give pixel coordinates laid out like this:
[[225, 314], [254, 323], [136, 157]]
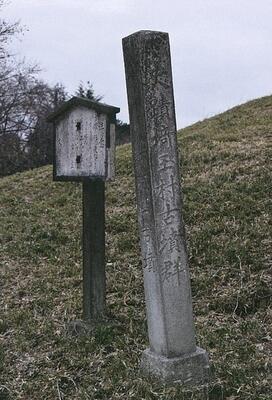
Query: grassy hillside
[[226, 178]]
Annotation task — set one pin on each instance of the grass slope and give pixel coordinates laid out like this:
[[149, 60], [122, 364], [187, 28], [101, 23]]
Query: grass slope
[[226, 177]]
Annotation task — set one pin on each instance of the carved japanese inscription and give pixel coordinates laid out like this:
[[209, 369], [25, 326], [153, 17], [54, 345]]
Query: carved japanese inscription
[[159, 204], [161, 149]]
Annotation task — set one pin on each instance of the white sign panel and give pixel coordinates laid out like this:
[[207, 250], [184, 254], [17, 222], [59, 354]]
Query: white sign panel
[[81, 144]]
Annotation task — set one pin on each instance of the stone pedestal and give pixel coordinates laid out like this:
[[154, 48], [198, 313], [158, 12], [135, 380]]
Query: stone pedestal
[[190, 369]]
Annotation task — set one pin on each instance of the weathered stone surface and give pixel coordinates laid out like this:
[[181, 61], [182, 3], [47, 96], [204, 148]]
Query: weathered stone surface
[[190, 369], [153, 131], [154, 144]]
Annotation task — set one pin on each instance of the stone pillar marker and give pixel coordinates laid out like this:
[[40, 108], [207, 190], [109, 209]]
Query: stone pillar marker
[[172, 354]]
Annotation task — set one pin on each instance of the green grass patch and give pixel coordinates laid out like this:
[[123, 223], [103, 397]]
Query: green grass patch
[[226, 181]]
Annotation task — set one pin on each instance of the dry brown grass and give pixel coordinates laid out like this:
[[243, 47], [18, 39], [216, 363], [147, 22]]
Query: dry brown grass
[[226, 184]]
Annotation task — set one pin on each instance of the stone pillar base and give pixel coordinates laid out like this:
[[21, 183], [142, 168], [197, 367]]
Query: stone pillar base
[[188, 369]]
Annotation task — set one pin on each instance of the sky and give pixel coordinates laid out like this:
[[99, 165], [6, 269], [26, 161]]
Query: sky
[[220, 49]]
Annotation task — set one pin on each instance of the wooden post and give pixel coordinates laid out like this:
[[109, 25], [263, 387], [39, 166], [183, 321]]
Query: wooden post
[[94, 279], [173, 355], [84, 151]]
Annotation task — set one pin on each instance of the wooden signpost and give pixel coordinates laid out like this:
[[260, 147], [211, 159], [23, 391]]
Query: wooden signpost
[[84, 150], [172, 354]]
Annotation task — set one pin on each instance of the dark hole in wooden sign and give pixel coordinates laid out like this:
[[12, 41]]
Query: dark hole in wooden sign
[[78, 126], [78, 159]]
